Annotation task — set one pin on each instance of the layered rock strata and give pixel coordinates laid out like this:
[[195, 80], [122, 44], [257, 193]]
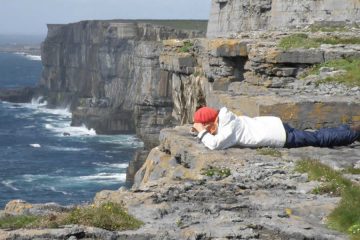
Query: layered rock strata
[[230, 17], [108, 71], [251, 75]]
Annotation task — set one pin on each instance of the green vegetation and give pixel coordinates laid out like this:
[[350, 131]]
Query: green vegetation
[[16, 222], [110, 216], [302, 40], [198, 73], [216, 172], [352, 170], [298, 40], [269, 152], [186, 47], [350, 78], [315, 28], [346, 216], [179, 223], [333, 181]]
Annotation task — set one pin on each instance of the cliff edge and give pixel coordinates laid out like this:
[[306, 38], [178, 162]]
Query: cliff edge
[[117, 73], [108, 73]]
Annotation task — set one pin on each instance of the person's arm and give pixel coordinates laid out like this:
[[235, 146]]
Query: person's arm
[[223, 139]]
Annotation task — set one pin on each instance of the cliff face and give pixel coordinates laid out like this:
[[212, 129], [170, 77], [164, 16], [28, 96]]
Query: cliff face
[[252, 76], [230, 17], [108, 71], [115, 73]]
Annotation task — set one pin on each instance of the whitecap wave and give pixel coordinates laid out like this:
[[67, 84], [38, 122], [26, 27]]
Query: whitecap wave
[[31, 178], [101, 177], [63, 112], [123, 141], [9, 185], [67, 149], [112, 165], [59, 191], [33, 57], [29, 56], [39, 101], [39, 106], [35, 145], [60, 182], [67, 130]]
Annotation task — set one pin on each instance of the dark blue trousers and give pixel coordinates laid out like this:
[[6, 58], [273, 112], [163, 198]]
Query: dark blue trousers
[[324, 137]]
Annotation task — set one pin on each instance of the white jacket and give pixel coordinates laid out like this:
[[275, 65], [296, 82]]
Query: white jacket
[[245, 132]]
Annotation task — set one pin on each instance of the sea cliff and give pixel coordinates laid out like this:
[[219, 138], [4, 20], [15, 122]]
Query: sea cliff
[[108, 73], [127, 76]]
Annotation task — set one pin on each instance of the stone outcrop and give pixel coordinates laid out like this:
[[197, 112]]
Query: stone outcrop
[[18, 95], [108, 71], [20, 207], [262, 198], [251, 75], [128, 74], [230, 17]]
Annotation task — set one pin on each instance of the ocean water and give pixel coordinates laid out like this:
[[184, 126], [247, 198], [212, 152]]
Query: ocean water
[[38, 163]]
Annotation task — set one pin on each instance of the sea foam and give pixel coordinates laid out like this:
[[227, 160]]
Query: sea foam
[[35, 145], [33, 57], [107, 177], [9, 185], [111, 165], [29, 56], [67, 130]]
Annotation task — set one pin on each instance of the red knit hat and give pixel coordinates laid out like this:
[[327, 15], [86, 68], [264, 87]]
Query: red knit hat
[[205, 115]]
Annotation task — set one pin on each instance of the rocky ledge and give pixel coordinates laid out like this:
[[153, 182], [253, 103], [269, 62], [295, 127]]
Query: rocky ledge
[[18, 95], [259, 197]]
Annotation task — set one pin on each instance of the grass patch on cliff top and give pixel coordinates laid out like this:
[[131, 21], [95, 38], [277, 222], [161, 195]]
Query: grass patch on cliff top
[[352, 170], [109, 216], [351, 66], [187, 47], [216, 172], [315, 28], [16, 222], [269, 152], [302, 40], [346, 216]]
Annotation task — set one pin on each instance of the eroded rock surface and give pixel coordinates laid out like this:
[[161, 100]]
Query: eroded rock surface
[[229, 17], [252, 75], [108, 72], [263, 198]]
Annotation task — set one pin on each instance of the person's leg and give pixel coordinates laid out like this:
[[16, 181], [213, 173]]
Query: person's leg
[[325, 137], [297, 138], [341, 136]]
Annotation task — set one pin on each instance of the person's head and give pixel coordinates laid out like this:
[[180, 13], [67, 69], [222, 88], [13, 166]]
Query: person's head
[[208, 117]]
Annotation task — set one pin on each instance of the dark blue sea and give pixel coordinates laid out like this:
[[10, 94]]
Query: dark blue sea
[[37, 162]]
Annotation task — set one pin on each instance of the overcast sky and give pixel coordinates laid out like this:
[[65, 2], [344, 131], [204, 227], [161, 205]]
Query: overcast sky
[[31, 16]]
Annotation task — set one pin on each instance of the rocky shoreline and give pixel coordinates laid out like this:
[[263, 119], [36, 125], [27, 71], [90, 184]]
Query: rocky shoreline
[[263, 197], [135, 76]]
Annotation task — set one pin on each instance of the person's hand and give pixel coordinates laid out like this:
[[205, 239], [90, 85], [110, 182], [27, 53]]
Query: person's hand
[[199, 127]]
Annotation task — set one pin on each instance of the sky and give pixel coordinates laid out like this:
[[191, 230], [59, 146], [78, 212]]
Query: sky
[[29, 17]]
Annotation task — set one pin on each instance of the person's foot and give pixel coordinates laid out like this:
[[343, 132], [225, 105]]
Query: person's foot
[[356, 127]]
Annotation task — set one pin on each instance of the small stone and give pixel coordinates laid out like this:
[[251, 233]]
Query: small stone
[[283, 215], [326, 69]]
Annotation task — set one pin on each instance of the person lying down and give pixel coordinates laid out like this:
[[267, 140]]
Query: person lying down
[[223, 129]]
